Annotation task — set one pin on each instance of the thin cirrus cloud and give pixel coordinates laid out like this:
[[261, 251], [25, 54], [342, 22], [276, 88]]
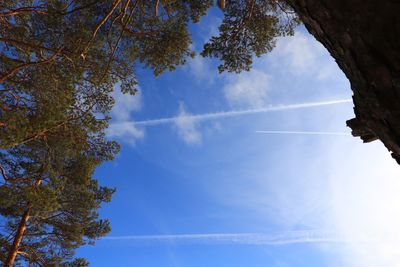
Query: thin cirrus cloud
[[259, 239], [187, 125], [272, 239], [236, 113]]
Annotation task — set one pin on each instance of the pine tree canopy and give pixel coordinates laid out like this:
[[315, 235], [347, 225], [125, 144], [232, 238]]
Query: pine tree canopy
[[60, 60]]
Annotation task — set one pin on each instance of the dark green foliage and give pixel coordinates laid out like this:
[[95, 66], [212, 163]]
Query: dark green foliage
[[59, 63], [82, 48], [68, 86], [249, 28], [162, 41], [53, 176]]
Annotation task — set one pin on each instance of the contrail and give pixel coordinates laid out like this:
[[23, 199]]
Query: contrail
[[234, 113], [279, 238], [305, 133]]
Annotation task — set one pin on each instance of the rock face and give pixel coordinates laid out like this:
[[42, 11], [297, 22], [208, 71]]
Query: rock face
[[364, 38]]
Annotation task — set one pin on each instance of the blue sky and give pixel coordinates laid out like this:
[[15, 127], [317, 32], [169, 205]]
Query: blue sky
[[210, 190]]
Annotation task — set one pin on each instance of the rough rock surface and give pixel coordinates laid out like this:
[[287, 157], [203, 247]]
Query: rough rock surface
[[364, 38]]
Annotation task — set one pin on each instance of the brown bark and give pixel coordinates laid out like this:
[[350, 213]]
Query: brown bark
[[12, 254], [115, 5], [15, 70], [16, 42], [22, 10], [364, 38]]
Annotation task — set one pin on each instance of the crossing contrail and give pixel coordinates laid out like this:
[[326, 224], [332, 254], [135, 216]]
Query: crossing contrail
[[234, 113], [279, 238], [305, 133]]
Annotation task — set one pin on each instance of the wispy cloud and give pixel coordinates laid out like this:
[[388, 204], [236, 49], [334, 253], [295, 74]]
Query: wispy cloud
[[266, 239], [201, 70], [121, 126], [248, 89], [278, 238], [235, 113], [126, 131], [302, 55], [125, 104], [186, 126]]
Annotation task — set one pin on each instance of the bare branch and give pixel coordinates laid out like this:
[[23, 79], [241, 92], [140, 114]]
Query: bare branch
[[156, 8], [20, 67], [16, 97], [23, 10], [25, 44], [101, 24], [124, 26]]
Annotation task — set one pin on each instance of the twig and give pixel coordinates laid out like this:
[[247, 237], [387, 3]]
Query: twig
[[18, 68], [27, 9], [156, 8], [99, 26], [120, 36]]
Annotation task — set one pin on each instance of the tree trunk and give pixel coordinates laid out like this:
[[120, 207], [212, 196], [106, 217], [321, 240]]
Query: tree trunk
[[12, 254], [364, 38]]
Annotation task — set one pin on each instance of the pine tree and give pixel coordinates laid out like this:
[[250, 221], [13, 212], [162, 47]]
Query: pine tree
[[49, 199], [59, 63]]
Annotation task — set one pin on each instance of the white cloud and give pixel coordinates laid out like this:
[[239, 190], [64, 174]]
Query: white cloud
[[125, 104], [300, 51], [125, 131], [248, 89], [200, 69], [302, 55], [187, 127], [121, 126]]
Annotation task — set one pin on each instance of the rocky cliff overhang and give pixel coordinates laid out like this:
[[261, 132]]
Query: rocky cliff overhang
[[364, 38]]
